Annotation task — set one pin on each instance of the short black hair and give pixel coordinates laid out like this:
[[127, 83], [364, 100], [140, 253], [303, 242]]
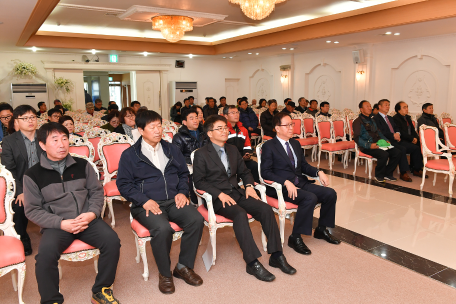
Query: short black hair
[[112, 114], [23, 109], [6, 106], [186, 113], [361, 103], [133, 103], [277, 119], [186, 99], [375, 106], [426, 105], [227, 108], [49, 128], [146, 117], [60, 108], [301, 98], [313, 101], [196, 107], [52, 111], [398, 106], [382, 101], [191, 97], [65, 118], [242, 100], [113, 107], [211, 120], [41, 103], [112, 101], [222, 98], [271, 101], [178, 104], [98, 100], [286, 100], [57, 100], [324, 103]]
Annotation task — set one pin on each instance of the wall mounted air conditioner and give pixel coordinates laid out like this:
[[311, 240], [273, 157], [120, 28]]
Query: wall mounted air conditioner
[[29, 93], [179, 90]]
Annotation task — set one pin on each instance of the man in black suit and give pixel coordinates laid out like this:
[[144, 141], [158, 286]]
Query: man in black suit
[[388, 127], [20, 152], [217, 167], [283, 161]]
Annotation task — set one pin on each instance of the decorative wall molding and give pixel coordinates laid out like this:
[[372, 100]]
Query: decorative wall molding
[[105, 66], [420, 92], [261, 84]]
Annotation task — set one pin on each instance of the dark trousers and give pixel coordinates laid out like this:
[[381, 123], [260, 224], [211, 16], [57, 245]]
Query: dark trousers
[[308, 197], [188, 218], [261, 212], [192, 195], [416, 158], [20, 221], [55, 241], [253, 167], [382, 170]]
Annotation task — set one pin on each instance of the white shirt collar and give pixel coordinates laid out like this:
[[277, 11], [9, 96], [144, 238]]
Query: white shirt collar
[[150, 148], [282, 141], [383, 115]]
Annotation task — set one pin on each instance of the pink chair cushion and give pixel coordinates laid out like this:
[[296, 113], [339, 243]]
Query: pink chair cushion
[[111, 189], [141, 231], [11, 251], [308, 125], [254, 134], [439, 164], [78, 245], [265, 137], [80, 150], [364, 155], [349, 144], [338, 146], [95, 142], [218, 218], [112, 154], [2, 200], [273, 202], [308, 141]]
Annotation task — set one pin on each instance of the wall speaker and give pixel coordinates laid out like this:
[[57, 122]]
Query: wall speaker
[[358, 56]]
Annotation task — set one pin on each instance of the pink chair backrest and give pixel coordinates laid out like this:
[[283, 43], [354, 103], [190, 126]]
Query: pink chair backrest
[[2, 200], [81, 133], [112, 154], [339, 128], [80, 150], [446, 120], [452, 135], [350, 121], [95, 142], [308, 125], [297, 126], [170, 134], [429, 137], [324, 128], [414, 124]]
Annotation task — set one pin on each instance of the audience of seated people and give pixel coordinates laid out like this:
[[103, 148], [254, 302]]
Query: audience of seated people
[[90, 109], [68, 122], [211, 108], [175, 112], [200, 113], [324, 109], [217, 168], [127, 122], [262, 104], [248, 117], [302, 105], [54, 115], [266, 118], [186, 107], [312, 109], [6, 113], [57, 102], [375, 109], [428, 119], [289, 106], [222, 102], [113, 119], [135, 105], [42, 108], [99, 105]]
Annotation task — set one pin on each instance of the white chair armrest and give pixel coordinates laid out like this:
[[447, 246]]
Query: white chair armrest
[[314, 178], [262, 190], [210, 208], [190, 168]]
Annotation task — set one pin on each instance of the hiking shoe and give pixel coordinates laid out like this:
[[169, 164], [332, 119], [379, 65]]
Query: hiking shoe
[[104, 297]]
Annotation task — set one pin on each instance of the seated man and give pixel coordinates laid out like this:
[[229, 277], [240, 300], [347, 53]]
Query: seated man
[[189, 138], [217, 168], [248, 117], [90, 108], [388, 127], [409, 137], [289, 108], [211, 108], [64, 197], [153, 176], [42, 108], [135, 105], [324, 109], [302, 105], [375, 109], [428, 119], [283, 161], [239, 137], [6, 113], [222, 102], [266, 118], [186, 107], [366, 135], [54, 115], [99, 105], [312, 110]]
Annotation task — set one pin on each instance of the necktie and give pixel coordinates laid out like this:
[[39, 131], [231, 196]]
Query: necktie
[[224, 159], [389, 124], [290, 156]]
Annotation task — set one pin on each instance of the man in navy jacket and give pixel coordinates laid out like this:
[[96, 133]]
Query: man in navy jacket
[[283, 161], [248, 118], [153, 175]]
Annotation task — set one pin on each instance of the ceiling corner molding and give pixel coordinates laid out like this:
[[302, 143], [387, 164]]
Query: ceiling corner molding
[[105, 66], [168, 11], [42, 10]]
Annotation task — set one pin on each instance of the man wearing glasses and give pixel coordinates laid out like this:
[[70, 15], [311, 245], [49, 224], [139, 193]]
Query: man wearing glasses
[[54, 115], [283, 161], [6, 112], [20, 152], [216, 169]]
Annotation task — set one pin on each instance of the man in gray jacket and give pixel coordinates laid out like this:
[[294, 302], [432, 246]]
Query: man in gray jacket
[[64, 197]]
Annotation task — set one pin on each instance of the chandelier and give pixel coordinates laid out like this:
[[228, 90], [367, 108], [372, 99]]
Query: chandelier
[[257, 9], [172, 28]]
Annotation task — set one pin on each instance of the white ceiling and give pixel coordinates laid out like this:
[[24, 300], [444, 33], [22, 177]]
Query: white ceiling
[[14, 15]]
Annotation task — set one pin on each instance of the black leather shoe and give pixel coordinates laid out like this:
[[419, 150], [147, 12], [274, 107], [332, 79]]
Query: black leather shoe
[[298, 245], [27, 247], [261, 273], [325, 235], [282, 264]]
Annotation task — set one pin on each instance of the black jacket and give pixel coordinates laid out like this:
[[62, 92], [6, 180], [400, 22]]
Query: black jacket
[[430, 120], [210, 111], [383, 126], [15, 158], [187, 143], [406, 128], [266, 123], [210, 175], [301, 109], [183, 110]]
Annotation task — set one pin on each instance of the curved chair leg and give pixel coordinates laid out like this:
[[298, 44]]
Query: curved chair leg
[[142, 249], [282, 227], [450, 190], [435, 179], [60, 271], [423, 179], [111, 211], [104, 208], [13, 277], [137, 249], [95, 264], [213, 236], [319, 156], [369, 163], [20, 282], [356, 162], [264, 241], [330, 161]]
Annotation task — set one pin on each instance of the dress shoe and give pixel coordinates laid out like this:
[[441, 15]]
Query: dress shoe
[[165, 284], [27, 246], [188, 275], [261, 273], [391, 178], [406, 178], [379, 179], [298, 245], [282, 264], [419, 173], [325, 235]]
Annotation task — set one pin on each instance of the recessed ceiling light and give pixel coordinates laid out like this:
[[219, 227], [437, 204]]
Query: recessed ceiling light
[[388, 33], [231, 57], [328, 41], [145, 54], [224, 57], [94, 51], [34, 49], [190, 56], [250, 53], [397, 34], [284, 48], [291, 49], [336, 41], [257, 54]]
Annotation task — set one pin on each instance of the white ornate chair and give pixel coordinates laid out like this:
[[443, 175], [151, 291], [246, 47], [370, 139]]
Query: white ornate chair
[[308, 132], [79, 251], [94, 136], [80, 128], [327, 142], [431, 146], [450, 136], [110, 149], [445, 118], [81, 146], [12, 255], [214, 221], [306, 143]]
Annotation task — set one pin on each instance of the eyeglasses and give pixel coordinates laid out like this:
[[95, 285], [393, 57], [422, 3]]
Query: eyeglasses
[[233, 113], [56, 115], [31, 118], [289, 125], [220, 129], [8, 117], [130, 116]]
